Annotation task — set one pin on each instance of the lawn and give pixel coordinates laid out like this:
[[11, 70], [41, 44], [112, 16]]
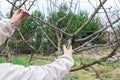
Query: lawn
[[110, 70]]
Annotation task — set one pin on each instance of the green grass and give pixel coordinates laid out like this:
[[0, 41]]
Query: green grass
[[113, 63], [90, 75], [83, 60], [90, 60], [105, 51], [21, 60], [78, 75]]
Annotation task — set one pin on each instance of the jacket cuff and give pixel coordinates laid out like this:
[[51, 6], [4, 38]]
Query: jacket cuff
[[68, 58], [9, 28], [8, 22]]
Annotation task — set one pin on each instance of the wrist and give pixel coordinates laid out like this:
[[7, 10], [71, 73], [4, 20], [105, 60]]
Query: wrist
[[69, 55]]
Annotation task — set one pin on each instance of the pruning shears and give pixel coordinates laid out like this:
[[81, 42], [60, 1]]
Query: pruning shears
[[68, 43]]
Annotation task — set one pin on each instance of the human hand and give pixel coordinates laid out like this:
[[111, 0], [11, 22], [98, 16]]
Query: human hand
[[66, 51], [18, 16]]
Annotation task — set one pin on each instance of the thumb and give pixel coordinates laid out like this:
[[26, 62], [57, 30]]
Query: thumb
[[64, 47]]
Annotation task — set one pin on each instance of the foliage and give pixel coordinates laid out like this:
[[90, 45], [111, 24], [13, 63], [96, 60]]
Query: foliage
[[70, 24], [30, 31], [73, 22]]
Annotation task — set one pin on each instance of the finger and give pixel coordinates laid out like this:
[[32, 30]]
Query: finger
[[17, 12], [24, 16], [21, 14], [25, 11], [64, 47], [70, 46]]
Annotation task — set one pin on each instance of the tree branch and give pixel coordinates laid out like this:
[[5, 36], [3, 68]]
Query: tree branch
[[95, 33], [89, 20], [38, 19], [109, 22], [97, 61]]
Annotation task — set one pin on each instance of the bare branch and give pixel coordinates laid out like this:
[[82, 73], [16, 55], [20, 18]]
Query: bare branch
[[53, 27], [89, 20], [97, 74], [76, 50], [31, 5], [91, 4], [97, 61], [110, 22], [25, 40], [54, 4], [65, 15], [86, 42], [11, 12], [21, 4], [47, 36], [95, 33]]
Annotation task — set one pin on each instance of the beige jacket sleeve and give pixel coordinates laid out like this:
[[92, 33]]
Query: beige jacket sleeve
[[54, 71], [6, 30]]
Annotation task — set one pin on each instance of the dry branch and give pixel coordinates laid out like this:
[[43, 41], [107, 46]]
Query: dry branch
[[89, 20], [109, 22], [79, 49], [95, 33], [97, 61]]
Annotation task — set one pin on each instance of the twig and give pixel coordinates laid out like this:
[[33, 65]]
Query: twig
[[47, 36], [79, 49], [102, 29], [98, 76], [89, 20], [92, 4], [97, 61], [53, 27], [86, 42], [11, 12], [31, 5], [109, 22], [21, 4]]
